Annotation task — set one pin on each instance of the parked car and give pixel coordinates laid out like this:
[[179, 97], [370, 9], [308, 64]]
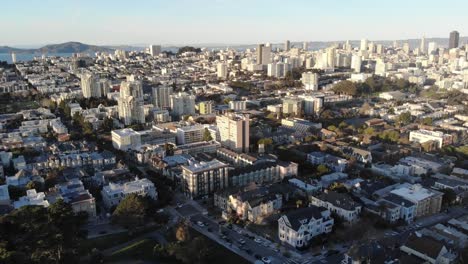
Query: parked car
[[266, 260]]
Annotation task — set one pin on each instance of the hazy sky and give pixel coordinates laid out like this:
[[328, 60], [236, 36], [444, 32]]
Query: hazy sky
[[32, 22]]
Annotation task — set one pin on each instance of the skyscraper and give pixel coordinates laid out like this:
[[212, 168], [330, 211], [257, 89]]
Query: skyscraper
[[432, 47], [364, 44], [263, 54], [182, 104], [89, 86], [287, 45], [260, 48], [155, 50], [221, 70], [161, 96], [356, 62], [422, 46], [454, 38], [130, 102], [310, 80], [13, 57], [234, 131], [305, 45]]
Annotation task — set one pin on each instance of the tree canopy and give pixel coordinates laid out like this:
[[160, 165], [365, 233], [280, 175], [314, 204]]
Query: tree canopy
[[131, 211], [34, 234]]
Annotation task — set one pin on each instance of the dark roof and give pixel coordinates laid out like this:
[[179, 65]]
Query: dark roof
[[295, 217], [425, 245], [340, 200], [396, 199]]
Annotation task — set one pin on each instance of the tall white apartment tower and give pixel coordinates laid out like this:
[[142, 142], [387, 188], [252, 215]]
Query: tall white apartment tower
[[234, 131], [13, 57], [155, 50], [422, 46], [161, 96], [356, 62], [221, 70], [310, 81], [131, 103], [364, 44], [182, 104], [89, 86]]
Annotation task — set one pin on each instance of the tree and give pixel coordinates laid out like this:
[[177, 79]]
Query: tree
[[207, 135], [107, 124], [404, 118], [322, 169], [34, 234], [427, 121], [182, 232], [345, 87], [369, 131], [449, 196], [131, 211]]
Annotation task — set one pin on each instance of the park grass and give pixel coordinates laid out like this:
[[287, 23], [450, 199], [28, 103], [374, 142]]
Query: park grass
[[140, 250]]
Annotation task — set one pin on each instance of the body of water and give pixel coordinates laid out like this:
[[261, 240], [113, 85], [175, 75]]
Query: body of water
[[29, 56]]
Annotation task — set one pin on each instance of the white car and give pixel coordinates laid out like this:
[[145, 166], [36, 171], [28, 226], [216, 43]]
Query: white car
[[266, 260], [200, 224], [258, 240]]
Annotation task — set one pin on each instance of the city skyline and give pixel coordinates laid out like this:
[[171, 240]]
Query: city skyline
[[224, 21]]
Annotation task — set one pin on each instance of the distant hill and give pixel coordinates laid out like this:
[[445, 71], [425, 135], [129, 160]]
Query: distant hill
[[68, 47]]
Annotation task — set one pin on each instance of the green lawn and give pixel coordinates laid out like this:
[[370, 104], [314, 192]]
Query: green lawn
[[140, 250], [107, 241]]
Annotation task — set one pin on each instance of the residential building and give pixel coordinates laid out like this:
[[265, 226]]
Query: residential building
[[182, 104], [130, 103], [114, 193], [205, 108], [4, 195], [427, 250], [234, 131], [74, 193], [310, 81], [190, 134], [221, 70], [254, 205], [238, 105], [423, 136], [126, 139], [333, 162], [32, 198], [340, 204], [427, 201], [200, 179], [161, 96], [299, 227]]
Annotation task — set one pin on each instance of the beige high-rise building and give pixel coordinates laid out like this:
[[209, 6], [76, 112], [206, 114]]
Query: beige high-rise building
[[88, 86], [182, 104], [287, 45], [161, 96], [356, 62], [221, 70], [310, 81], [131, 103], [364, 44], [234, 131]]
